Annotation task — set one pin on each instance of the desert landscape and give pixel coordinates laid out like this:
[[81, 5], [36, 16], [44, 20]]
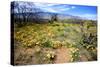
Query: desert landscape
[[42, 36]]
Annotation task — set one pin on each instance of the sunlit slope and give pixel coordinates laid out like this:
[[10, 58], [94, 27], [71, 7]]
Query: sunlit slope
[[79, 40]]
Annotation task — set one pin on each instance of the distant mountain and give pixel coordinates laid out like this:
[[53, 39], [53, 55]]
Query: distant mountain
[[48, 15]]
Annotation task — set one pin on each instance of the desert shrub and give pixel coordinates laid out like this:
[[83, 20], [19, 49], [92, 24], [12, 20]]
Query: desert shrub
[[56, 44], [47, 43], [89, 39], [45, 56], [20, 24], [75, 54]]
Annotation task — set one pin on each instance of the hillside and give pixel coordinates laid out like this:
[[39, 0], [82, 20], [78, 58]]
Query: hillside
[[54, 43]]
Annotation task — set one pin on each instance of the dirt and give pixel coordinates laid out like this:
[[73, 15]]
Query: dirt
[[62, 55], [83, 58], [25, 56]]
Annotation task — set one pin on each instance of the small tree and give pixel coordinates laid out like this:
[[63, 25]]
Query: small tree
[[53, 18]]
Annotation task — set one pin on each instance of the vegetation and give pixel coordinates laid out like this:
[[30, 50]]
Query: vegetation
[[44, 39]]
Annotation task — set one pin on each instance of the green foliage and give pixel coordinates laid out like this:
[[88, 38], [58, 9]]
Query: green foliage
[[47, 43], [89, 39], [88, 24], [45, 57], [75, 54], [57, 34]]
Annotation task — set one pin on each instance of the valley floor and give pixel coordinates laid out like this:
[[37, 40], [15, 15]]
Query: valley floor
[[54, 43]]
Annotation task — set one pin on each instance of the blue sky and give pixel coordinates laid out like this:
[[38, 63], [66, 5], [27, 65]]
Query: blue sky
[[89, 12]]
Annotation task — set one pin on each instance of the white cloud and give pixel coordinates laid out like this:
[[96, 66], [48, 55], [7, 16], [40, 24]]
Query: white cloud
[[65, 9], [73, 7], [51, 7], [90, 16], [54, 7], [58, 10], [44, 4], [49, 10]]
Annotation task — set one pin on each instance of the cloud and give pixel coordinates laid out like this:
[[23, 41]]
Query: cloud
[[58, 8], [73, 7], [90, 16], [49, 10], [43, 4]]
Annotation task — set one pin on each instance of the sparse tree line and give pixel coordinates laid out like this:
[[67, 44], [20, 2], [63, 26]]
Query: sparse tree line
[[22, 13]]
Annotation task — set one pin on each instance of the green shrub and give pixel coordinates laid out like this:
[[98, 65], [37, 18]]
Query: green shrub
[[47, 43]]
